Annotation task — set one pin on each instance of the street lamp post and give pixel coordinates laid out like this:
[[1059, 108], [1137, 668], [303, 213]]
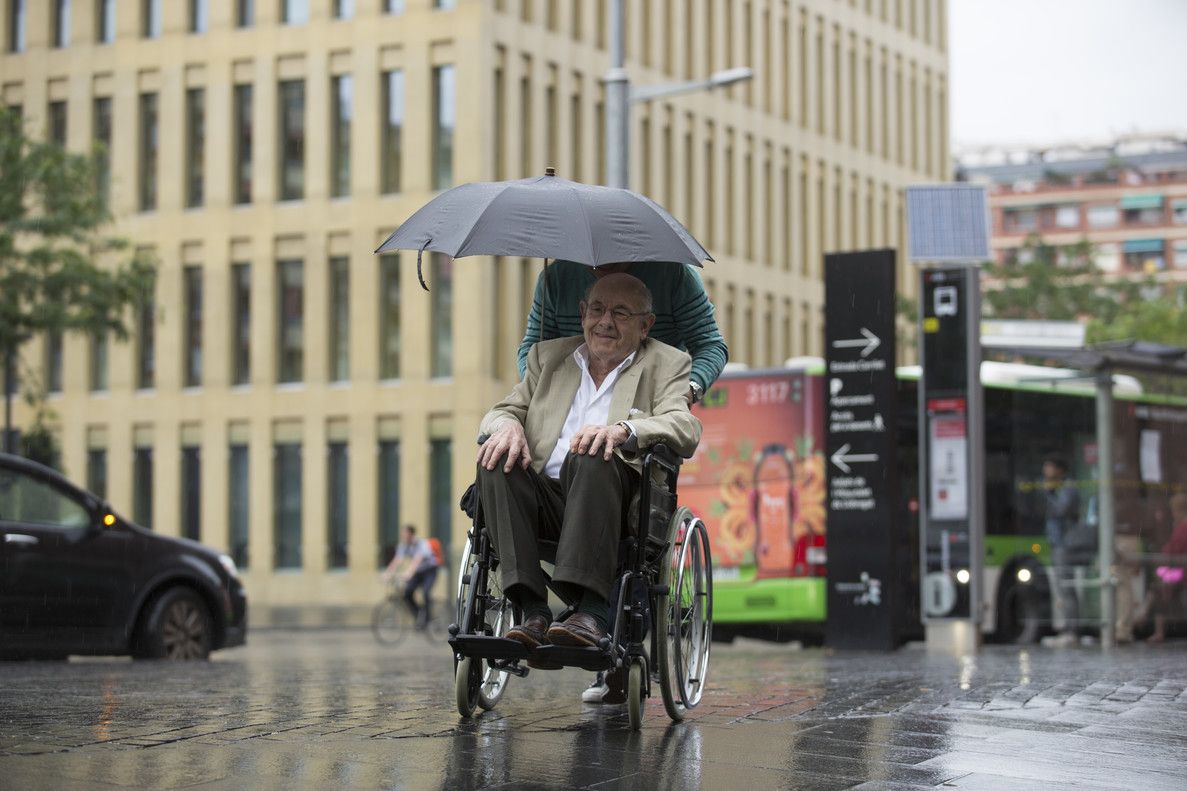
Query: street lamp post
[[619, 98]]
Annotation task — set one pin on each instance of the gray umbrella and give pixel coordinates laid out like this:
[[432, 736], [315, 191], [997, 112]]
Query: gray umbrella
[[547, 217]]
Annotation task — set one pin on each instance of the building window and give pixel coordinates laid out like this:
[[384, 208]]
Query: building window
[[441, 309], [151, 18], [1179, 212], [343, 9], [444, 119], [393, 128], [146, 343], [241, 324], [342, 93], [393, 6], [101, 136], [1144, 255], [99, 361], [53, 361], [339, 319], [1067, 216], [389, 316], [389, 500], [56, 122], [149, 146], [292, 139], [243, 139], [441, 492], [337, 502], [449, 5], [142, 486], [61, 31], [1104, 216], [199, 16], [238, 500], [97, 472], [1108, 257], [17, 15], [245, 13], [1181, 254], [191, 493], [1020, 220], [294, 12], [286, 507], [291, 315], [195, 144], [193, 326]]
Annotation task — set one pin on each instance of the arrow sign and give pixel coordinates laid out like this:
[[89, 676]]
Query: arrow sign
[[870, 342], [842, 456]]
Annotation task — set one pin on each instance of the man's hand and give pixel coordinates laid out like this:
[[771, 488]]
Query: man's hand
[[590, 438], [510, 439]]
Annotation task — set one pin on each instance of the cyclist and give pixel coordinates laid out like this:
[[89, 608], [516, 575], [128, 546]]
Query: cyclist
[[417, 562]]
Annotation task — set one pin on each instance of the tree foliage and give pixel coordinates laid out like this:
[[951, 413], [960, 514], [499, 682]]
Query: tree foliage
[[59, 269]]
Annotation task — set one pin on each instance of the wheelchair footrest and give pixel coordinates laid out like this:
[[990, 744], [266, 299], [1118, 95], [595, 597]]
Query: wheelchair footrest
[[485, 647], [569, 656]]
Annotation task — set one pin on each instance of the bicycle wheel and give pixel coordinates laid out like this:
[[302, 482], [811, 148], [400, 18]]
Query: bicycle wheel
[[388, 621]]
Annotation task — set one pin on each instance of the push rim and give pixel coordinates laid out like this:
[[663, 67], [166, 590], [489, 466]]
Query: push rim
[[691, 612]]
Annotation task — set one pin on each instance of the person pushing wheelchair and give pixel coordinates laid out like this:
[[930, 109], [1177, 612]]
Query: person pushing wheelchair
[[562, 463]]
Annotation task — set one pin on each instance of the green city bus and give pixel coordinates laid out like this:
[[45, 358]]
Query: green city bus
[[758, 480]]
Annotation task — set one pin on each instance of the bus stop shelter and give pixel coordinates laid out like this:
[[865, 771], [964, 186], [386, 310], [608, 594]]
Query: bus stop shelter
[[1100, 363]]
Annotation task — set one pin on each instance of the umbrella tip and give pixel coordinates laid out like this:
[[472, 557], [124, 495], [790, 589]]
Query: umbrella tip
[[549, 171]]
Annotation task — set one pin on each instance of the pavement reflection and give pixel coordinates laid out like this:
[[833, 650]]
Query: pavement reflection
[[332, 709]]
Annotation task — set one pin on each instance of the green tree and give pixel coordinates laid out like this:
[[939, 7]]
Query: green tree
[[1052, 282], [1159, 316], [52, 238]]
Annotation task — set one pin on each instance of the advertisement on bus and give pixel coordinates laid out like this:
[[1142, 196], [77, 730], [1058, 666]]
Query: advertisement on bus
[[758, 482]]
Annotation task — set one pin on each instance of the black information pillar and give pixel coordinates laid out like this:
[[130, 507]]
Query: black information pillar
[[861, 446], [951, 444]]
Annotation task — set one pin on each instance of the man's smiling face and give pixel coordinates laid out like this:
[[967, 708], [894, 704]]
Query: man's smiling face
[[615, 318]]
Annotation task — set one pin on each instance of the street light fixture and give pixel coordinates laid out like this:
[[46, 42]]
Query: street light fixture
[[619, 98]]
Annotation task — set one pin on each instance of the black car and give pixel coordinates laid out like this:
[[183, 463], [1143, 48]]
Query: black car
[[76, 578]]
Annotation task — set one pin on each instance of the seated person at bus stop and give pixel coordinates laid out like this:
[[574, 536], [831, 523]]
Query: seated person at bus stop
[[562, 459]]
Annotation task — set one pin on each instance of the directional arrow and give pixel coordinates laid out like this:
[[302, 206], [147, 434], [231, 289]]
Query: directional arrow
[[843, 455], [870, 342]]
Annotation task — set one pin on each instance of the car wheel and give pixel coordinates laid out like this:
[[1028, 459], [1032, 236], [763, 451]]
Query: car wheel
[[177, 626]]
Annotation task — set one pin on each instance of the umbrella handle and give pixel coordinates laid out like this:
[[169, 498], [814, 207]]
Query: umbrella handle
[[419, 275]]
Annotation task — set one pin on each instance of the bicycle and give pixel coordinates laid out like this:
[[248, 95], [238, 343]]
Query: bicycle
[[391, 619]]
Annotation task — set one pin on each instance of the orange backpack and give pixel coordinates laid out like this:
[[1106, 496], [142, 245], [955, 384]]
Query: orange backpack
[[435, 545]]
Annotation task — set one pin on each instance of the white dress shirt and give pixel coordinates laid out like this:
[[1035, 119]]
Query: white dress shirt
[[590, 407]]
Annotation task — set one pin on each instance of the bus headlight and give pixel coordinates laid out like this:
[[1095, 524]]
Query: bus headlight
[[962, 576], [1024, 575]]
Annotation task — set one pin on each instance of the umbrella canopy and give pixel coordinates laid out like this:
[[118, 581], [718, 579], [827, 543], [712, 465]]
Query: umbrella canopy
[[547, 217]]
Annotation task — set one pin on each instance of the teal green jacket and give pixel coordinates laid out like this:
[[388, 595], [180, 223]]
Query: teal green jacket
[[683, 312]]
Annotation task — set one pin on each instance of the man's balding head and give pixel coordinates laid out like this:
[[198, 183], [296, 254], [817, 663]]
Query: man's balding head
[[615, 317]]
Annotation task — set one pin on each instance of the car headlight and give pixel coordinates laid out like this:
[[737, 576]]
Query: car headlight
[[229, 565]]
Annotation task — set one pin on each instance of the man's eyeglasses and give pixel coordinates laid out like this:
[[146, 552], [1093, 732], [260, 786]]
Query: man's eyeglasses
[[596, 310]]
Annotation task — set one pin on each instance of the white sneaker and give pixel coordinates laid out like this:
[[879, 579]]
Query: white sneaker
[[597, 690]]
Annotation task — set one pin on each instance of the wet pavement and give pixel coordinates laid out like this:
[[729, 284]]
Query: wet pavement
[[331, 709]]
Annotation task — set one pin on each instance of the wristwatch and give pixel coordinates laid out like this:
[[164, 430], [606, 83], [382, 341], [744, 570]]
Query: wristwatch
[[631, 442], [697, 391]]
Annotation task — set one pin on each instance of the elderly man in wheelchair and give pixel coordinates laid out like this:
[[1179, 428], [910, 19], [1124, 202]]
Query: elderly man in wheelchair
[[587, 438]]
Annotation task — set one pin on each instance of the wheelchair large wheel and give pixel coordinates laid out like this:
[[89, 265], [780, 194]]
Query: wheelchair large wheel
[[684, 615], [499, 617]]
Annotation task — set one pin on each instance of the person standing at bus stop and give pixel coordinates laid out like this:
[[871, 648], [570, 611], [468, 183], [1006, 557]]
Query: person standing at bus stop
[[1062, 517], [684, 318]]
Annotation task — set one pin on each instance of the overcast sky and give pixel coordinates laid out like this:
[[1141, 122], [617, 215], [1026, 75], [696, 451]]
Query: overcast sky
[[1050, 71]]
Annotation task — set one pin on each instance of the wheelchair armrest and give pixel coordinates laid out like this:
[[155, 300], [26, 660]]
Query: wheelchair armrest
[[482, 438], [665, 454]]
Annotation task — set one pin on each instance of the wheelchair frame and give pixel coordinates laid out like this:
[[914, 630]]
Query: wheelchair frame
[[661, 626]]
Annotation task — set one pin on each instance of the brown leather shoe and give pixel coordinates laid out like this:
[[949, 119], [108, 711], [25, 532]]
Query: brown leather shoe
[[578, 630], [533, 632]]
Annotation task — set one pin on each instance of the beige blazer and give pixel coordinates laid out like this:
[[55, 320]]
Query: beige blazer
[[650, 394]]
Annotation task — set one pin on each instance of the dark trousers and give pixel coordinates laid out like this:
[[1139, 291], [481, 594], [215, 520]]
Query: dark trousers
[[422, 580], [584, 512]]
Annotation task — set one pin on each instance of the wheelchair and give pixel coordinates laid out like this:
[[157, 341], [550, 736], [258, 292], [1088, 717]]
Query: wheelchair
[[661, 618]]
